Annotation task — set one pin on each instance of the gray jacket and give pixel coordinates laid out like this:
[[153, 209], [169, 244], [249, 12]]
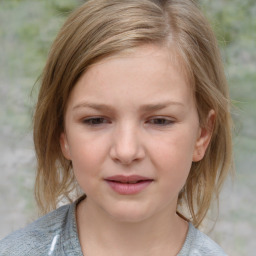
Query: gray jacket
[[55, 234]]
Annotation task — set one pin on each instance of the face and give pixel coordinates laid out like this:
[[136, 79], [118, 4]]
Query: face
[[132, 132]]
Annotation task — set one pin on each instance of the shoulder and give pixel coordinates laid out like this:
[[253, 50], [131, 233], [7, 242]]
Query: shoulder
[[204, 245], [36, 236], [199, 244]]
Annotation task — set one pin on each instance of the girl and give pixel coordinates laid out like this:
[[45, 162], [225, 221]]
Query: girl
[[133, 126]]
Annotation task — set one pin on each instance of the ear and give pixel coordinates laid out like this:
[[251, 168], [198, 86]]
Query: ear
[[64, 146], [204, 137]]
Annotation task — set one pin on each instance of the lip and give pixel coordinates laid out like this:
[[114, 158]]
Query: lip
[[128, 185]]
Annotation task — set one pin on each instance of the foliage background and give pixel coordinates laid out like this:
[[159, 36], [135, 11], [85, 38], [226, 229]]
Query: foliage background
[[27, 29]]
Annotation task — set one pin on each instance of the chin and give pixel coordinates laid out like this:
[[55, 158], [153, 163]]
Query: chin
[[129, 214]]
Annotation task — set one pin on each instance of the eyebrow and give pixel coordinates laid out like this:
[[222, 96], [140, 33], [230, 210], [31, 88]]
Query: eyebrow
[[158, 106], [145, 108]]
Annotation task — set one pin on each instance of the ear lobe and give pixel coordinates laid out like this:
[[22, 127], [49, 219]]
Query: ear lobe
[[64, 146], [204, 137]]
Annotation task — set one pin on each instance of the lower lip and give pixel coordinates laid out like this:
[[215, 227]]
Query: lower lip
[[128, 188]]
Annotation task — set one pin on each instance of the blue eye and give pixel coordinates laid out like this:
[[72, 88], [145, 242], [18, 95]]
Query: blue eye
[[95, 121], [161, 121]]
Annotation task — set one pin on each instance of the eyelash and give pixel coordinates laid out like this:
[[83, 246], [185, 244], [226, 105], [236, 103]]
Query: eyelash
[[97, 121], [163, 121]]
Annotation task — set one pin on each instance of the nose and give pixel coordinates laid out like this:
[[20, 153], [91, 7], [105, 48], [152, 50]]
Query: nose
[[127, 146]]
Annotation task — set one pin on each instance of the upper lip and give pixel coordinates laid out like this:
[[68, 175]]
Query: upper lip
[[127, 179]]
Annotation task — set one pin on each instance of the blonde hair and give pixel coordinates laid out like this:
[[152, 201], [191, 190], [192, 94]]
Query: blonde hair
[[101, 28]]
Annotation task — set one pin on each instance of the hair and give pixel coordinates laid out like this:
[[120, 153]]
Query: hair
[[100, 28]]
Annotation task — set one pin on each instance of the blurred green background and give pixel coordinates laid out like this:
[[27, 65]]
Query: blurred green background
[[27, 29]]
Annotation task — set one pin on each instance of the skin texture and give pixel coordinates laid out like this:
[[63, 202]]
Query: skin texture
[[133, 114]]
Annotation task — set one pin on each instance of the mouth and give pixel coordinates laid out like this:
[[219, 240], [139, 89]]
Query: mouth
[[128, 179], [127, 185]]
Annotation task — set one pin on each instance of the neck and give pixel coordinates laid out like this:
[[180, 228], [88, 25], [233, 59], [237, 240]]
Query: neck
[[157, 235]]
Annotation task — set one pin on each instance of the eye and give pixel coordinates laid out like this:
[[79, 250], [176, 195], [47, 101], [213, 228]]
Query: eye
[[95, 121], [161, 121]]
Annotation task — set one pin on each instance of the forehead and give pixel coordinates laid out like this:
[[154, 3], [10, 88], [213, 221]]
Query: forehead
[[142, 73], [150, 51]]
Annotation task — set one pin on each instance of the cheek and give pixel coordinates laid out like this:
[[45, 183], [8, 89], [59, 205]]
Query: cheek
[[173, 173], [176, 148], [87, 154], [173, 157], [87, 158]]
